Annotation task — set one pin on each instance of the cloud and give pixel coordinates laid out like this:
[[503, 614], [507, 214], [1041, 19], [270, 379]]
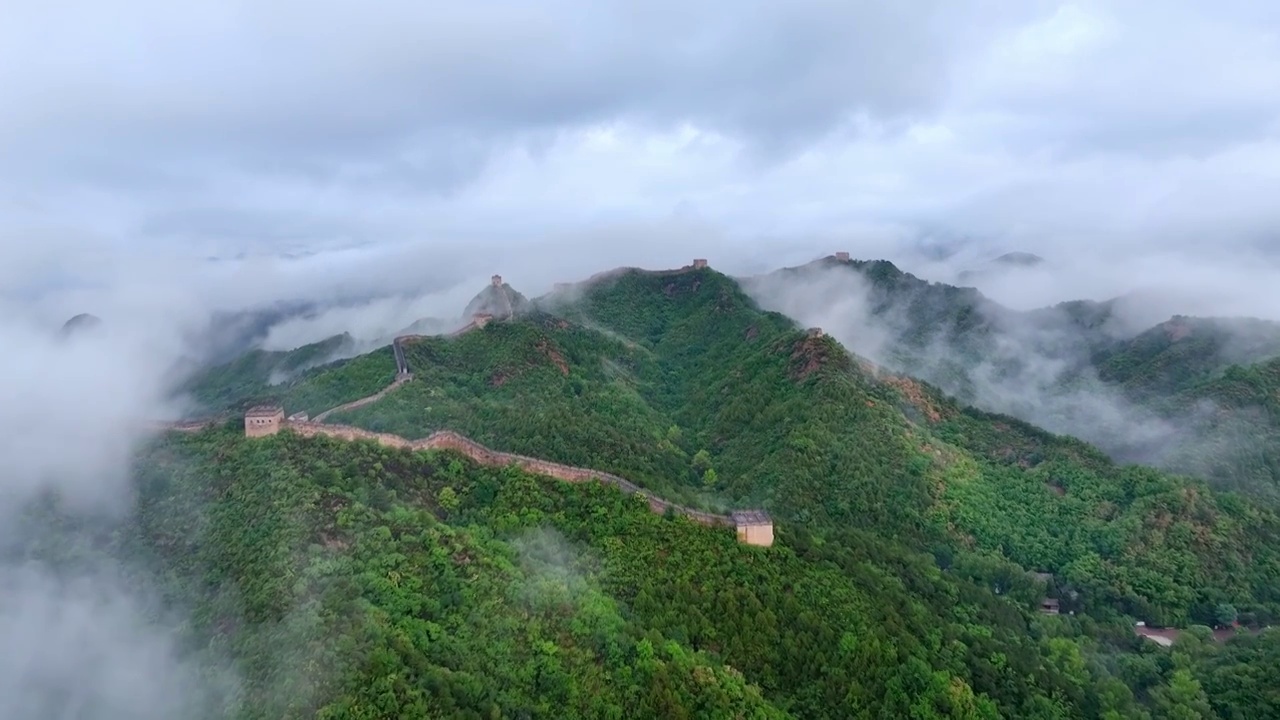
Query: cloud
[[87, 646], [1037, 366], [407, 151]]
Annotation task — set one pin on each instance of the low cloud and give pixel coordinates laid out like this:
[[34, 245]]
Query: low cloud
[[1033, 365], [86, 644]]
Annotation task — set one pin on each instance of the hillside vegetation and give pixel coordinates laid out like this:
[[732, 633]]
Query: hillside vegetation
[[907, 524], [346, 580]]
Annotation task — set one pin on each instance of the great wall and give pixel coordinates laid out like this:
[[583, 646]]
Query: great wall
[[753, 527]]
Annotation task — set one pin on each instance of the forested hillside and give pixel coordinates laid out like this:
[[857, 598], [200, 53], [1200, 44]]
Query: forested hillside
[[680, 383], [346, 580], [908, 524], [1150, 395]]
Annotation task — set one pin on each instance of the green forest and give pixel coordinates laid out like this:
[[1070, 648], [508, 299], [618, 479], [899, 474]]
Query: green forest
[[901, 584]]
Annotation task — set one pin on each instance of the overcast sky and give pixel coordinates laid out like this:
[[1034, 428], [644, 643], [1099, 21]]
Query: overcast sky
[[411, 137]]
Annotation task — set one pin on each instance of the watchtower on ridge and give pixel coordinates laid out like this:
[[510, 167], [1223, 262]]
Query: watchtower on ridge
[[754, 527], [842, 256], [263, 420], [699, 263], [496, 280]]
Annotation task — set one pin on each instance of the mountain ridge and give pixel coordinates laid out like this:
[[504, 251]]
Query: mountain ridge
[[910, 524]]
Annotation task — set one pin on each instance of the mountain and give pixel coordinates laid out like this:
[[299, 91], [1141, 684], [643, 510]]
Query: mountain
[[499, 300], [80, 323], [1010, 261], [261, 376], [1023, 259], [1090, 369], [910, 528]]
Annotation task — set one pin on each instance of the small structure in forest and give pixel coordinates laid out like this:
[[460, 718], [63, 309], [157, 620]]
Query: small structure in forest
[[1049, 606], [754, 527], [496, 280], [263, 420], [842, 256], [699, 263], [815, 332]]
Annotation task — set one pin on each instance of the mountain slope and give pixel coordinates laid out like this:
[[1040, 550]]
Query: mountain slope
[[350, 581], [1082, 368], [680, 383], [416, 584], [419, 583]]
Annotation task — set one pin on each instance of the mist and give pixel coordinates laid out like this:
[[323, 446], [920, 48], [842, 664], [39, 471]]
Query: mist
[[81, 636], [1025, 359]]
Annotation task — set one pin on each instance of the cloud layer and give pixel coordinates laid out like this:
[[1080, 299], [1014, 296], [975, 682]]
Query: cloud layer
[[502, 133]]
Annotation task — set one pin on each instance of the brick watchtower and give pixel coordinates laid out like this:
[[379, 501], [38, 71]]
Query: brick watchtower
[[263, 420], [754, 527], [496, 280], [699, 263]]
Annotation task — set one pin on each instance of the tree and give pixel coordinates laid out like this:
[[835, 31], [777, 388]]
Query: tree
[[448, 498], [1225, 614]]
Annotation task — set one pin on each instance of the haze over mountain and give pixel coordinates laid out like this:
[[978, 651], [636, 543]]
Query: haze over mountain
[[224, 183]]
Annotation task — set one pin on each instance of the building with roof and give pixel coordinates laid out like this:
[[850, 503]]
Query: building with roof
[[263, 420], [754, 527]]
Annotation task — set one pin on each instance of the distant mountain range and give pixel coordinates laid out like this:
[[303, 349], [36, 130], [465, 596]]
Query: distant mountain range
[[1162, 395]]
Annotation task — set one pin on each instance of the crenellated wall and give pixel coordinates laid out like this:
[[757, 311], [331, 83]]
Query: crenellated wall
[[400, 379], [449, 440]]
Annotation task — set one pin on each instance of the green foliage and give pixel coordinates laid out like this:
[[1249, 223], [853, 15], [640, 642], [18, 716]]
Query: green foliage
[[301, 379], [899, 586], [331, 576]]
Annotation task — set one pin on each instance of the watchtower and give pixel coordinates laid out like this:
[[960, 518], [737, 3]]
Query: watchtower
[[496, 280], [481, 319], [842, 256], [699, 263], [815, 332], [263, 420], [754, 527]]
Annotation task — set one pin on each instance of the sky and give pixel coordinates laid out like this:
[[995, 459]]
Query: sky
[[334, 147]]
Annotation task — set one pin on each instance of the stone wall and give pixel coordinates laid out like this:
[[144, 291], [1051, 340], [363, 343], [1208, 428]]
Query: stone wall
[[400, 379], [449, 440]]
